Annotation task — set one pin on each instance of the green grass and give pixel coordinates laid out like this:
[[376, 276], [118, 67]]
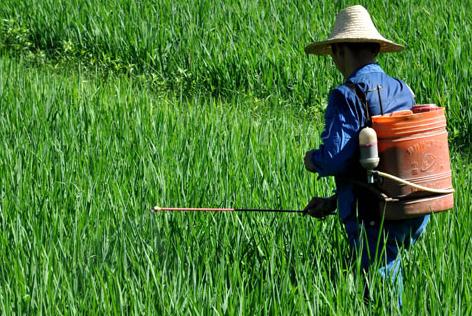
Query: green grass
[[105, 113], [255, 47]]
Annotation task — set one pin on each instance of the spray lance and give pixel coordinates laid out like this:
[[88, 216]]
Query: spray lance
[[206, 209], [318, 207]]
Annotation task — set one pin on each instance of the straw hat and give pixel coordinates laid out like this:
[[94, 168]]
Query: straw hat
[[353, 25]]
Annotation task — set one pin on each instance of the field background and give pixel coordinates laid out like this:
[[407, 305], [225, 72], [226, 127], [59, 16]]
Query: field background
[[110, 107]]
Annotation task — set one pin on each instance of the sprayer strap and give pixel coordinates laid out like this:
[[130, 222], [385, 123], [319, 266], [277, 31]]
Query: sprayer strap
[[361, 95]]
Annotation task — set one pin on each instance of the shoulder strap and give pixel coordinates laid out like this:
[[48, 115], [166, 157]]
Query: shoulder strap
[[361, 95]]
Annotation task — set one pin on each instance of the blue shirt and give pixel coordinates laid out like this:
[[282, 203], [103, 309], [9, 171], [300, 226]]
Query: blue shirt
[[345, 117]]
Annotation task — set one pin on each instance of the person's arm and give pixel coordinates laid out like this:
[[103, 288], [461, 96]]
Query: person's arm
[[340, 137]]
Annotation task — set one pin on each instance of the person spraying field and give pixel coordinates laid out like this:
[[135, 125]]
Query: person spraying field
[[389, 157], [367, 91]]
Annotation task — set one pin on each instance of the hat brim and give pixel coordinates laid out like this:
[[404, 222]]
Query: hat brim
[[324, 47]]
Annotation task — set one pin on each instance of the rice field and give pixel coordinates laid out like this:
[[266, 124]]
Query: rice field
[[111, 107]]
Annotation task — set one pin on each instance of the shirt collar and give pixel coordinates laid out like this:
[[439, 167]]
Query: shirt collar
[[368, 68]]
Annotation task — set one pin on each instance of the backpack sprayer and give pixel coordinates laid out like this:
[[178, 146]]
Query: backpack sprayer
[[411, 149]]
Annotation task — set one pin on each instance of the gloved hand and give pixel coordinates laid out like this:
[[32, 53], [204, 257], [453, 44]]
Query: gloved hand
[[309, 162], [321, 207]]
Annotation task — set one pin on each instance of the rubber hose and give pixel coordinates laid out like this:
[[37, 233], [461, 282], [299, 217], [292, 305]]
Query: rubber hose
[[417, 186]]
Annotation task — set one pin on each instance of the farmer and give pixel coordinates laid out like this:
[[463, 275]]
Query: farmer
[[353, 45]]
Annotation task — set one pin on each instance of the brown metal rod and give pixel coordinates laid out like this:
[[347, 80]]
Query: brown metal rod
[[206, 209]]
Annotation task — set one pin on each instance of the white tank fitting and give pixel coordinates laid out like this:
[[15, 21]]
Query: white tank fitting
[[369, 156]]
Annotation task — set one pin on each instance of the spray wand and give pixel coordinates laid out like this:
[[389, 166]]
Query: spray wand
[[241, 210]]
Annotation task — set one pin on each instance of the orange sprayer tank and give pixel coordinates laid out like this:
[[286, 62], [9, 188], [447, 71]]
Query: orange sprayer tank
[[413, 146]]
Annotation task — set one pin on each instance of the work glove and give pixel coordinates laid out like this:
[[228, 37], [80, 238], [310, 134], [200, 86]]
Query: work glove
[[321, 207], [308, 161]]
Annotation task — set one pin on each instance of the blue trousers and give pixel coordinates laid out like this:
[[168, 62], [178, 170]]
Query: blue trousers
[[381, 243]]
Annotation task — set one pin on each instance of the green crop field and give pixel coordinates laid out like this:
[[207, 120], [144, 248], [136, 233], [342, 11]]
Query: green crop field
[[108, 108]]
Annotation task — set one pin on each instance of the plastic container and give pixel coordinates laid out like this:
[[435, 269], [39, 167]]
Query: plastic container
[[413, 146]]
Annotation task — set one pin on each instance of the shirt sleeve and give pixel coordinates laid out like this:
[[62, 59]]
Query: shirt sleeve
[[339, 137]]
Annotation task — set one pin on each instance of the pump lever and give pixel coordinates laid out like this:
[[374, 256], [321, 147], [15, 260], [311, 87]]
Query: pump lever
[[380, 99]]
